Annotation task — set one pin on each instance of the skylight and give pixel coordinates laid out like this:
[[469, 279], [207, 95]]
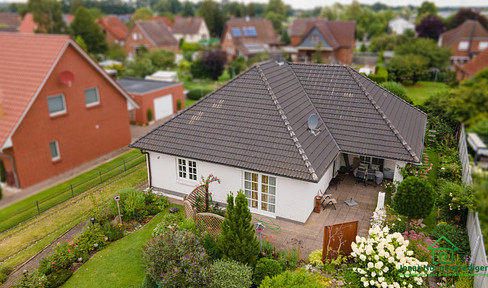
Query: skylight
[[250, 31], [236, 32]]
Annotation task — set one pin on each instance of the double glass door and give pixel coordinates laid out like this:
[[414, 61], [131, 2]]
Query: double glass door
[[260, 191]]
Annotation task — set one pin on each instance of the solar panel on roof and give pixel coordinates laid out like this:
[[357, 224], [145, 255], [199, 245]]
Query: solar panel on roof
[[249, 31], [236, 32]]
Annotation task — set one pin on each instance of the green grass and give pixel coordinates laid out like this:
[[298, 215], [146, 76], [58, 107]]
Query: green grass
[[18, 212], [31, 236], [189, 102], [422, 91], [118, 265]]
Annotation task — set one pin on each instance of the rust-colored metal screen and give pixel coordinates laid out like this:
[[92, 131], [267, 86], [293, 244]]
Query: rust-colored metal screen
[[338, 239]]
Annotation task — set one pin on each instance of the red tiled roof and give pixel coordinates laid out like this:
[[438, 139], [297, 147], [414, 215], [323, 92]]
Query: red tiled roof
[[165, 20], [264, 30], [114, 26], [476, 64], [299, 26], [28, 25], [28, 59], [190, 25], [470, 28], [336, 33]]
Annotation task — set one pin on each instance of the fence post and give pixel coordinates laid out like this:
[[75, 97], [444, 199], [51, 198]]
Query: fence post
[[38, 211], [100, 174], [72, 194], [124, 166]]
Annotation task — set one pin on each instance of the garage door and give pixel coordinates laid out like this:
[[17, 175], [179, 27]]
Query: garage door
[[163, 106]]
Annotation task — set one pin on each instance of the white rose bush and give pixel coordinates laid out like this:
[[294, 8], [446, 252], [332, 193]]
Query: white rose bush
[[380, 258]]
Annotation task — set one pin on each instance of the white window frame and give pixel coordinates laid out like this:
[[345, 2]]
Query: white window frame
[[463, 45], [248, 192], [57, 150], [482, 45], [134, 36], [186, 169], [57, 112], [98, 97]]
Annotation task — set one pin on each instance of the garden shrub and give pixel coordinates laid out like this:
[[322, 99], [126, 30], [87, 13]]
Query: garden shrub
[[265, 268], [113, 232], [58, 278], [197, 93], [3, 173], [230, 274], [61, 259], [149, 282], [1, 195], [149, 115], [6, 270], [153, 204], [451, 172], [238, 240], [91, 235], [454, 233], [288, 279], [288, 258], [131, 200], [169, 222], [419, 244], [3, 277], [32, 280], [380, 257], [380, 75], [177, 259], [189, 225], [211, 246], [315, 258], [454, 200], [397, 89], [267, 248]]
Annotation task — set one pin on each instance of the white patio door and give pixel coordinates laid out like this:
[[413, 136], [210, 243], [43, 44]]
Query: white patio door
[[260, 192]]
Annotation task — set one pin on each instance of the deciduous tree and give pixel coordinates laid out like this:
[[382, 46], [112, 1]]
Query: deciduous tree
[[211, 12], [48, 16], [430, 27], [84, 26]]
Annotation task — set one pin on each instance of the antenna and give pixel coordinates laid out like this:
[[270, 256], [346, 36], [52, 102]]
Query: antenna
[[313, 123]]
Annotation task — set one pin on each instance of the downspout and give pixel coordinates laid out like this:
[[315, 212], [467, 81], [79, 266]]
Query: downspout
[[13, 167], [148, 168]]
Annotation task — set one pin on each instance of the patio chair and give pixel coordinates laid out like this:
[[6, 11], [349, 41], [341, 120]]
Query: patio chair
[[328, 201], [360, 176], [370, 177]]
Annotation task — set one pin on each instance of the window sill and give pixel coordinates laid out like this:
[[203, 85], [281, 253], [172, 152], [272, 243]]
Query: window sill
[[60, 115], [192, 183], [93, 106], [56, 161]]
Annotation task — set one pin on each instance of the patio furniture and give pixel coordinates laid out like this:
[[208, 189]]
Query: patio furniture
[[371, 177], [360, 176], [379, 177], [329, 201]]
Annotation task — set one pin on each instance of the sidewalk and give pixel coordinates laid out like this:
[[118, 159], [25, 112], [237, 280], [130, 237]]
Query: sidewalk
[[13, 195]]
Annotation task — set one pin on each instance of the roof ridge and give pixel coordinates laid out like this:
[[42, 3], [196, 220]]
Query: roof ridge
[[330, 33], [314, 108], [288, 126], [384, 117]]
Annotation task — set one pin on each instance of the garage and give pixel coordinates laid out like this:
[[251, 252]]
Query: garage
[[163, 107]]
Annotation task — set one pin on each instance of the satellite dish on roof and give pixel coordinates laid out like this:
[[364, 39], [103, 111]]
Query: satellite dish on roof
[[66, 77], [313, 121]]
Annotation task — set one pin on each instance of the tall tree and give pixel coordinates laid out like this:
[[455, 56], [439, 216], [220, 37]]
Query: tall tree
[[276, 13], [285, 38], [464, 14], [426, 8], [211, 12], [251, 11], [430, 27], [188, 10], [237, 240], [84, 26], [75, 4], [426, 48], [48, 16], [143, 13]]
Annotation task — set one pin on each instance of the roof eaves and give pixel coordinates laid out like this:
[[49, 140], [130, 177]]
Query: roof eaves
[[384, 117], [293, 136]]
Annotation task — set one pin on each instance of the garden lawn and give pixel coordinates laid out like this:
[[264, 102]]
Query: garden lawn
[[118, 265], [189, 102], [31, 236], [423, 90], [20, 211]]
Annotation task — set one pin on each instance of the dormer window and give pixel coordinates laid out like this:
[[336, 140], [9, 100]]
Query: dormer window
[[463, 45]]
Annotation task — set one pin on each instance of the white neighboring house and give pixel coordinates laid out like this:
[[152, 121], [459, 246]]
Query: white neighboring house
[[253, 134], [400, 25], [192, 29]]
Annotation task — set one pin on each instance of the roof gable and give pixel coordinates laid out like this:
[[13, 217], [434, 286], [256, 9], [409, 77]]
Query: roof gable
[[265, 33], [115, 26], [309, 42], [258, 121], [157, 32], [469, 29], [190, 25], [337, 34], [30, 58]]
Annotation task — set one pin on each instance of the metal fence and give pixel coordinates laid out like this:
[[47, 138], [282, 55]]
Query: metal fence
[[478, 252], [52, 199]]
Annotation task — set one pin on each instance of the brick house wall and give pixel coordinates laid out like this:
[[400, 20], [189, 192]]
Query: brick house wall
[[131, 44], [83, 133], [146, 101], [228, 45]]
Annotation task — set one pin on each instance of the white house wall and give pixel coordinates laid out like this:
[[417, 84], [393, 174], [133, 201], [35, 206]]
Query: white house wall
[[294, 198]]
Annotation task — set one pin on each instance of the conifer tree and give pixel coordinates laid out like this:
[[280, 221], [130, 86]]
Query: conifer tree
[[237, 240], [84, 26]]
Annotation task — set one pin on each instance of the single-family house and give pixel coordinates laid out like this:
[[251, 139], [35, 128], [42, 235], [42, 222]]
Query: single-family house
[[399, 25], [166, 20], [466, 41], [114, 29], [9, 22], [28, 25], [163, 98], [191, 29], [298, 28], [255, 134], [58, 108], [335, 39], [248, 36], [475, 65], [150, 34]]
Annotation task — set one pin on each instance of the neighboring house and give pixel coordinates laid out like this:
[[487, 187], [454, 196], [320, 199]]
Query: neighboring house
[[247, 37], [59, 109], [150, 34], [298, 28], [466, 41], [114, 29], [191, 29], [336, 41], [252, 133], [400, 25], [165, 20], [160, 96], [475, 65], [9, 22]]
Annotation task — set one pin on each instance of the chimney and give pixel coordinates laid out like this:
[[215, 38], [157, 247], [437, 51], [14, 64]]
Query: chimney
[[247, 18]]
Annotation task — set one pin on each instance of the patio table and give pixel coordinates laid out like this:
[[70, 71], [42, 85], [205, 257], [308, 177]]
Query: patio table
[[378, 174]]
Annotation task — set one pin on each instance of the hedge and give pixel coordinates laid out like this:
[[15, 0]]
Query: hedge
[[196, 94]]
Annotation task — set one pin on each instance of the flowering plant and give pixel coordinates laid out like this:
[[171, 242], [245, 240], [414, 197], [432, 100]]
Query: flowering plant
[[380, 258], [419, 244]]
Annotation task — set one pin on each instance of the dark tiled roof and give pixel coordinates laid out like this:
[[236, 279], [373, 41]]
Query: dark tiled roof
[[470, 28], [142, 86], [190, 25], [258, 121], [157, 32]]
